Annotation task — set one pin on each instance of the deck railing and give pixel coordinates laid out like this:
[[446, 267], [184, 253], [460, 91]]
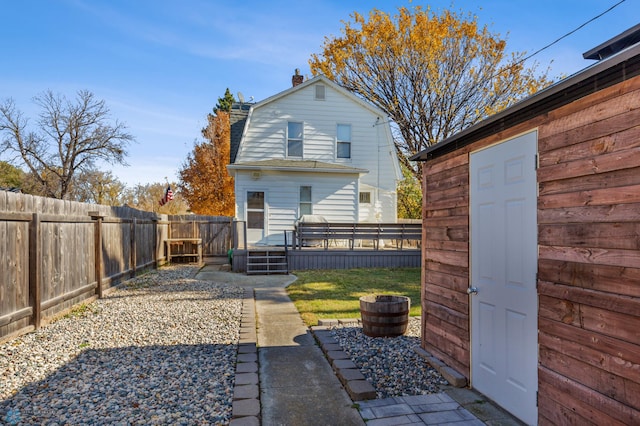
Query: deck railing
[[352, 235]]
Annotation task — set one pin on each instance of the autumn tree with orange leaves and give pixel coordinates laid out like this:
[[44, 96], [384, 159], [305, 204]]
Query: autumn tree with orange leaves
[[204, 180], [434, 75]]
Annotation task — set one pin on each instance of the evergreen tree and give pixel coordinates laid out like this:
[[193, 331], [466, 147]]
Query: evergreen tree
[[224, 104]]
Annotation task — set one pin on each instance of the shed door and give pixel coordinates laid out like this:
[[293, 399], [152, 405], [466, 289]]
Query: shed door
[[504, 251]]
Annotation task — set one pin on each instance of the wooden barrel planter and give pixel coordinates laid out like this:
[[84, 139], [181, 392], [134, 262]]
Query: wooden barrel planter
[[384, 315]]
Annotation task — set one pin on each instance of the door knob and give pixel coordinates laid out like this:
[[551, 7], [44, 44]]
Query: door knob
[[472, 290]]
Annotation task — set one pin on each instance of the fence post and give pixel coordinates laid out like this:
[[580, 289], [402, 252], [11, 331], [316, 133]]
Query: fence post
[[35, 258], [98, 249], [134, 255], [156, 243]]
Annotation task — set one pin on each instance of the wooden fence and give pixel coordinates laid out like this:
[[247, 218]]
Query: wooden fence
[[55, 254]]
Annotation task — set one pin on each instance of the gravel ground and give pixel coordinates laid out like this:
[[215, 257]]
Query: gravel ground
[[390, 364], [162, 350], [159, 350]]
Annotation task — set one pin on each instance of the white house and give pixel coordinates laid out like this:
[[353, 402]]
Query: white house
[[313, 149]]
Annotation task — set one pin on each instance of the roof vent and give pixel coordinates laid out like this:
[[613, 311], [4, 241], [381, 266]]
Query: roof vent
[[615, 45]]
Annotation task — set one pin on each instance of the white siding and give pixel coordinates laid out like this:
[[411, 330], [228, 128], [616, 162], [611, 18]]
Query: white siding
[[382, 207], [371, 149], [334, 196]]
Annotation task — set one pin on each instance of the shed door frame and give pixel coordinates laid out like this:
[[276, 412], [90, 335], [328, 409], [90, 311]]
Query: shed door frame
[[503, 260]]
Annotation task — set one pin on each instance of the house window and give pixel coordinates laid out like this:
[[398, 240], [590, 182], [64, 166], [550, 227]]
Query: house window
[[365, 198], [306, 206], [294, 139], [319, 92], [344, 141], [255, 210]]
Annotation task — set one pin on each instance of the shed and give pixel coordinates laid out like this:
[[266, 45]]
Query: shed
[[531, 248]]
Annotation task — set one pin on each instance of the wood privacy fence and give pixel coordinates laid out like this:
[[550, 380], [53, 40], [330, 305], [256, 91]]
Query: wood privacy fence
[[55, 254]]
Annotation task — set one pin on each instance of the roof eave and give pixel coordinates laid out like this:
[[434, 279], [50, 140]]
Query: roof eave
[[613, 70], [240, 166]]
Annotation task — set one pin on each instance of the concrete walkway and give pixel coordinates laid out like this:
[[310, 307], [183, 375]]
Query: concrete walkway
[[297, 385]]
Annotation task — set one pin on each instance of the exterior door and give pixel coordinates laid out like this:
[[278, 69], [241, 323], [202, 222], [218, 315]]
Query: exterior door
[[255, 217], [504, 252]]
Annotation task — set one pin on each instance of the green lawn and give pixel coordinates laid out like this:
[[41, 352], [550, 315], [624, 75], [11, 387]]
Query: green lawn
[[336, 293]]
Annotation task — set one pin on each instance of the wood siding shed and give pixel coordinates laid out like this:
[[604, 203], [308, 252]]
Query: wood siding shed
[[588, 215]]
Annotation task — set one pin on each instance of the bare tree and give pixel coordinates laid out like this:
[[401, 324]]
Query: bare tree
[[69, 137], [97, 186]]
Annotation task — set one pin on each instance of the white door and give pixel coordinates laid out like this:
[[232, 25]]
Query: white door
[[504, 257], [256, 218]]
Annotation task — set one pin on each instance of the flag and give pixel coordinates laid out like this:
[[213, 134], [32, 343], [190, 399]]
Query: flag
[[168, 196]]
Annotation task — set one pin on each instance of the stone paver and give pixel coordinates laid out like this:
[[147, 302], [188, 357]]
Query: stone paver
[[245, 421], [247, 367], [336, 355], [348, 374], [423, 409], [392, 410], [246, 392], [458, 406], [246, 407], [360, 390], [291, 348], [343, 364], [253, 357]]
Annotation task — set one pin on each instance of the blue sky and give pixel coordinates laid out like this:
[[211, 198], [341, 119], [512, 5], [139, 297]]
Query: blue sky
[[161, 65]]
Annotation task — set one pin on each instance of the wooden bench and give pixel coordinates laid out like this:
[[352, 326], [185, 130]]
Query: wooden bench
[[307, 232], [186, 246]]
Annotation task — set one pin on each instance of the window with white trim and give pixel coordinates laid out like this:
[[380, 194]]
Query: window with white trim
[[306, 205], [365, 198], [343, 141], [319, 92], [294, 139]]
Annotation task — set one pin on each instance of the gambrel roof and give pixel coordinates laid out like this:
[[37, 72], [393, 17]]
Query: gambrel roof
[[241, 113], [328, 82]]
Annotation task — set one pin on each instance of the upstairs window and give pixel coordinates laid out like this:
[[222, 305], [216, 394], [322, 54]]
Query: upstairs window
[[306, 205], [343, 148], [365, 198], [319, 92], [294, 139]]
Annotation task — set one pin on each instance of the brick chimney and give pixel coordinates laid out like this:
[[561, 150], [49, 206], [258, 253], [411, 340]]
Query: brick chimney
[[297, 78]]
